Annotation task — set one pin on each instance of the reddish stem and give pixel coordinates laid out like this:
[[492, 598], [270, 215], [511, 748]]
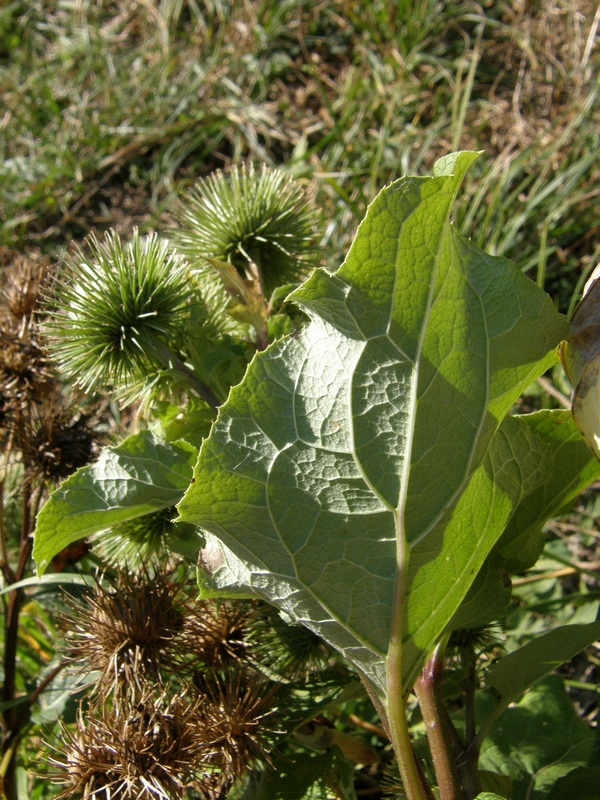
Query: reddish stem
[[439, 726]]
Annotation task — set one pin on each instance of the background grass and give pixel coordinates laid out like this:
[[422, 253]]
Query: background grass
[[110, 108]]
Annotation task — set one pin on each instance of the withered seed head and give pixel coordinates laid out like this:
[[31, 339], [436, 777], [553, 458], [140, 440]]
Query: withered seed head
[[128, 630], [25, 374], [55, 441], [234, 711], [21, 287], [144, 747], [216, 632]]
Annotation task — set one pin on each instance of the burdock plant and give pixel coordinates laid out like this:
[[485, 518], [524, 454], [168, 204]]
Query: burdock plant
[[127, 629], [143, 747], [121, 315], [258, 221], [181, 320]]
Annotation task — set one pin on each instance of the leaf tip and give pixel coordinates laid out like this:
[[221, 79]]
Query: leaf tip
[[455, 164]]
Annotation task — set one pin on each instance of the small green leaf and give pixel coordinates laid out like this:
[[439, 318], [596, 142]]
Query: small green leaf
[[191, 423], [141, 475], [489, 796], [516, 672]]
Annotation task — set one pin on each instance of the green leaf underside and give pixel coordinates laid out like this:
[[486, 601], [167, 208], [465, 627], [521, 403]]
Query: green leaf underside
[[364, 450], [142, 475]]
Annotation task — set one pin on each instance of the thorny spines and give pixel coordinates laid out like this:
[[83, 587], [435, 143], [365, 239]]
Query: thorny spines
[[218, 634], [38, 419], [25, 372], [21, 287], [147, 639], [259, 221], [121, 311], [140, 542], [154, 643], [56, 440], [239, 712], [142, 745], [286, 651], [127, 629]]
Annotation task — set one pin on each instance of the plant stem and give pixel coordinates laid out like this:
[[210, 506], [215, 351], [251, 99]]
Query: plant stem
[[13, 724], [468, 768], [428, 689], [413, 781], [170, 359], [5, 567]]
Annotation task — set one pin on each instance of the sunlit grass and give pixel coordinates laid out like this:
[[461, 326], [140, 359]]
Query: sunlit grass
[[128, 102]]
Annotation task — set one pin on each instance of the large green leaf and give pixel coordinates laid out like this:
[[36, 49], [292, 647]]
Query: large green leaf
[[357, 478], [141, 475]]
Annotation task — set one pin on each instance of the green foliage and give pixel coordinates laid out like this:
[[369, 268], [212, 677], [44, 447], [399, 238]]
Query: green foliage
[[306, 476], [369, 478], [538, 741], [511, 675], [142, 475], [307, 777]]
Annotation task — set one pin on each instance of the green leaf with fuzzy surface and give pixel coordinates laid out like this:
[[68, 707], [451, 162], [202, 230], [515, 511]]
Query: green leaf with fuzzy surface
[[361, 474], [140, 476]]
